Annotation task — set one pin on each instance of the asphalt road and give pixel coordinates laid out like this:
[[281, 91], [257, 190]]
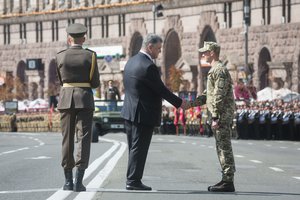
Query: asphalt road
[[178, 167]]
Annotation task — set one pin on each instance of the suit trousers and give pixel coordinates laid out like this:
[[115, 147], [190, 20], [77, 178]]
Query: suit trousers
[[138, 138], [79, 122]]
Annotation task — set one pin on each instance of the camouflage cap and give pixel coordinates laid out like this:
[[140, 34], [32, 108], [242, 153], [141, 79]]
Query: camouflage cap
[[76, 30], [210, 46]]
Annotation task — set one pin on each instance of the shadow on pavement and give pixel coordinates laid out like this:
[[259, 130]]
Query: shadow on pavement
[[237, 193]]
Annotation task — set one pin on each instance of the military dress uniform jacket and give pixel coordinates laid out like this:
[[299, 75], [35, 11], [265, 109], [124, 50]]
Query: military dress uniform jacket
[[74, 65], [144, 91]]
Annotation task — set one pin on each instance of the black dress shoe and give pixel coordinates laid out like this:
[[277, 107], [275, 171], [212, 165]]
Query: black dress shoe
[[137, 186], [222, 186]]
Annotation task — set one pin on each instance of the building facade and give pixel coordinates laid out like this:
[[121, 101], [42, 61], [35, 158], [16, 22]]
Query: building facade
[[33, 31]]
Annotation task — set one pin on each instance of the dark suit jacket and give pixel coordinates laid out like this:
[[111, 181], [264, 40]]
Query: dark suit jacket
[[144, 91], [73, 66]]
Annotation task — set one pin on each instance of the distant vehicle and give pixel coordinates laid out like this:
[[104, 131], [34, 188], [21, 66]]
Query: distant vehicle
[[107, 118]]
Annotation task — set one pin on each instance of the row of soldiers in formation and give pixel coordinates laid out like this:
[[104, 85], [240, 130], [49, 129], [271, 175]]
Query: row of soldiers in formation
[[268, 120], [265, 120]]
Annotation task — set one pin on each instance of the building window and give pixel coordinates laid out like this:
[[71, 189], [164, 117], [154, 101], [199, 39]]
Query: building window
[[88, 24], [55, 30], [105, 26], [71, 21], [286, 11], [289, 10], [266, 11], [39, 31], [36, 31], [11, 6], [46, 3], [27, 4], [6, 33], [23, 32], [102, 27], [227, 15], [122, 24]]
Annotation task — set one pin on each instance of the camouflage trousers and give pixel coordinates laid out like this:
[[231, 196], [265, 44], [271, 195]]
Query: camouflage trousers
[[224, 150]]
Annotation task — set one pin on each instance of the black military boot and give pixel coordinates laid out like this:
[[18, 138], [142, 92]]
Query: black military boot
[[78, 186], [222, 186], [69, 179]]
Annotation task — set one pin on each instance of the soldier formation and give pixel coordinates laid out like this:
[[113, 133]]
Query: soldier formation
[[269, 120]]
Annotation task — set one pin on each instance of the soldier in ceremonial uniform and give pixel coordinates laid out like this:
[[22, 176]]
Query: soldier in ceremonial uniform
[[78, 73], [220, 103], [297, 123]]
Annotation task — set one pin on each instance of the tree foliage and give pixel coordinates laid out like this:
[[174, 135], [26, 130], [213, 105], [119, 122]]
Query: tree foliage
[[175, 78]]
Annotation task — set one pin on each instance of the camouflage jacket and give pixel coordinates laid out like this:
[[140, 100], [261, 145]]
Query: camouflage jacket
[[219, 94]]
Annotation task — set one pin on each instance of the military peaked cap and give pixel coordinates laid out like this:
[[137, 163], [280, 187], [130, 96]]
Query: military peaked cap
[[76, 30]]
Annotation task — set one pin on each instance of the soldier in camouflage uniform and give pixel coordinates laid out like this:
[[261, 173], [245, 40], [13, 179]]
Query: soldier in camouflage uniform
[[220, 103]]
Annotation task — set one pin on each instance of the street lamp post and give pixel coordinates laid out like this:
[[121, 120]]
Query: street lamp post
[[157, 12], [246, 25], [154, 17]]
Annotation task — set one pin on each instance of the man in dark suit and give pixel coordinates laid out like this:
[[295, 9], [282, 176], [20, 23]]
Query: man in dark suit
[[144, 91], [78, 73]]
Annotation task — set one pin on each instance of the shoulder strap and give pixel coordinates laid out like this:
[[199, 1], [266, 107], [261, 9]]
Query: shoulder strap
[[92, 66]]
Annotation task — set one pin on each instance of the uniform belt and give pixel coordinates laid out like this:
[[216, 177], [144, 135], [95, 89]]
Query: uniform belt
[[77, 85]]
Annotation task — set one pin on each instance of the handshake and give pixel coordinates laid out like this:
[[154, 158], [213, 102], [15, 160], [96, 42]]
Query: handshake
[[199, 101]]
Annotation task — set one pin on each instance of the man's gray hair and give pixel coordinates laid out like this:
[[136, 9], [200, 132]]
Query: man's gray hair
[[151, 38]]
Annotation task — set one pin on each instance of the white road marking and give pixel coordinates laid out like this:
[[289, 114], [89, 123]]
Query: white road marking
[[160, 139], [297, 177], [268, 145], [13, 151], [28, 191], [102, 175], [39, 158], [256, 161], [276, 169], [239, 156], [194, 143], [298, 149], [183, 142], [122, 190], [62, 194], [283, 147], [171, 140], [250, 143], [41, 143]]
